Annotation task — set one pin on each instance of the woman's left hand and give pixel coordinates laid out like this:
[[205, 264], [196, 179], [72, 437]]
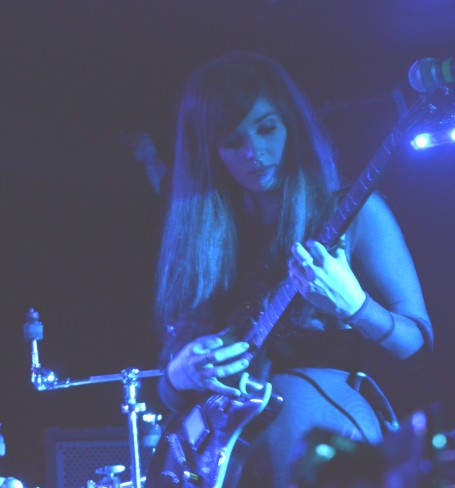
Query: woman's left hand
[[326, 280]]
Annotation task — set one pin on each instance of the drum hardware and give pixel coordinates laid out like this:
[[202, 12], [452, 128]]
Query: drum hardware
[[44, 379], [109, 480], [125, 484]]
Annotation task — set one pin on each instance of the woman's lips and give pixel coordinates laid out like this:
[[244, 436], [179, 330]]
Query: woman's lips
[[263, 170]]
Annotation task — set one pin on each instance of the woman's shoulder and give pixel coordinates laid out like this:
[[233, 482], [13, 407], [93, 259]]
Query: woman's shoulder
[[374, 217]]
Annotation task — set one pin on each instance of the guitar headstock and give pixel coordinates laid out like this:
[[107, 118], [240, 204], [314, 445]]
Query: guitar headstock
[[432, 111]]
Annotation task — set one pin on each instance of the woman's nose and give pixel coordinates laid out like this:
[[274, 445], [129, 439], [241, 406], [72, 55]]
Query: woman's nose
[[252, 150]]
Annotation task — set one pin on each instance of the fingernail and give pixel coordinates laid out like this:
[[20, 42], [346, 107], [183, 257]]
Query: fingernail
[[245, 345], [245, 362]]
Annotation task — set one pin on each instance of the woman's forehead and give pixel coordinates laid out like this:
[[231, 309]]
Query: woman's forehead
[[262, 107], [259, 111]]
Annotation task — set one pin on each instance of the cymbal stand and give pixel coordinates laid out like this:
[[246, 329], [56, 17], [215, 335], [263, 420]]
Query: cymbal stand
[[44, 379]]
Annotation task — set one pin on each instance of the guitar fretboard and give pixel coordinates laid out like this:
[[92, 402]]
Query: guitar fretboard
[[340, 219]]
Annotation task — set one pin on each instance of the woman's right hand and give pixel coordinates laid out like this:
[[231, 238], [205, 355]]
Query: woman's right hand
[[203, 362]]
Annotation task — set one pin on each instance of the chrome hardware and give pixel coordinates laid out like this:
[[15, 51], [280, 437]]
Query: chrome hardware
[[44, 379]]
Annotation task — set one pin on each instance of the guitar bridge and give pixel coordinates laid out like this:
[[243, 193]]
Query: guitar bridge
[[177, 449]]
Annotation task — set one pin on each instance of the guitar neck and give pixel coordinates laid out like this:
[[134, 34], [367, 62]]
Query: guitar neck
[[346, 210], [337, 224]]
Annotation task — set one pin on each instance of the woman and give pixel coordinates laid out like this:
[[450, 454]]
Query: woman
[[254, 182]]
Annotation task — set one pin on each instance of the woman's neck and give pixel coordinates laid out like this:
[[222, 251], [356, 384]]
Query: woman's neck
[[262, 206]]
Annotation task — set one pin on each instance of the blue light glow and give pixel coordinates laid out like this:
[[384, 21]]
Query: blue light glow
[[419, 422], [325, 451], [439, 441], [426, 140], [421, 141]]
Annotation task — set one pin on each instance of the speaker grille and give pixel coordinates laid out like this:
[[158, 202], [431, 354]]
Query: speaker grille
[[73, 455]]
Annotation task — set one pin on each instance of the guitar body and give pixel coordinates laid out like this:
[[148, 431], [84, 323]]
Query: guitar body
[[195, 447]]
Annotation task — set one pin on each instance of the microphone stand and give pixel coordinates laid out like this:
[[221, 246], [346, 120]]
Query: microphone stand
[[44, 379]]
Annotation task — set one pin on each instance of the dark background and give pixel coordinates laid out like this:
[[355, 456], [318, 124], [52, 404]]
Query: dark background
[[80, 223]]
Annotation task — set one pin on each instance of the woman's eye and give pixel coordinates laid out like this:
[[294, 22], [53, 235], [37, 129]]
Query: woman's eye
[[267, 129]]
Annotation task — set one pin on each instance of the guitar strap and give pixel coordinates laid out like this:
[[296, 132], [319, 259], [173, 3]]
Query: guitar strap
[[372, 392]]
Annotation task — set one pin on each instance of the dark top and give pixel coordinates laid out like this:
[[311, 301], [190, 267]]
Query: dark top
[[304, 337]]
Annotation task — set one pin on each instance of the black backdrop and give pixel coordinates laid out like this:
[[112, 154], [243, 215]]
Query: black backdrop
[[81, 224]]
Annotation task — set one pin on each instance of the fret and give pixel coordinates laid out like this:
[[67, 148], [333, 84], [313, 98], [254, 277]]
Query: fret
[[278, 306], [364, 184], [340, 217], [281, 296], [269, 324], [346, 208], [273, 311], [357, 193], [263, 333], [372, 173], [281, 299], [326, 236], [290, 289], [390, 143], [260, 332], [259, 336], [353, 201], [330, 227]]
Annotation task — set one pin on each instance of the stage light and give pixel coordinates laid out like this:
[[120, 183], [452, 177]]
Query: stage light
[[439, 441], [426, 140], [325, 451], [421, 141]]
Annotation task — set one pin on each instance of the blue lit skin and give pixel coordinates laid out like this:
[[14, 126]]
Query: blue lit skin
[[253, 152], [452, 135]]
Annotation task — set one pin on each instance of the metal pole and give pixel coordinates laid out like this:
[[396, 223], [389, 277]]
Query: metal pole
[[131, 407]]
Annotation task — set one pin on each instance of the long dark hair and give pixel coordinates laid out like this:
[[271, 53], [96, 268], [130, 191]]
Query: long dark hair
[[199, 247]]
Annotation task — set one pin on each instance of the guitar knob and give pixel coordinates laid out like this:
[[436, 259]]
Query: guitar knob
[[192, 477], [171, 477]]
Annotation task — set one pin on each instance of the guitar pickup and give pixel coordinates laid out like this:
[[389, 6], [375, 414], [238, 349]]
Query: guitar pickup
[[196, 428]]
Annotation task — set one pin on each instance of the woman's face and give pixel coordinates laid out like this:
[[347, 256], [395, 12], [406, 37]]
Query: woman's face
[[253, 152]]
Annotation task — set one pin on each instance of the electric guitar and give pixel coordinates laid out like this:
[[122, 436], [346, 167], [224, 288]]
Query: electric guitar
[[196, 446]]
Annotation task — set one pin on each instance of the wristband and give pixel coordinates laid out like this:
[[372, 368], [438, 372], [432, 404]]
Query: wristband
[[352, 317]]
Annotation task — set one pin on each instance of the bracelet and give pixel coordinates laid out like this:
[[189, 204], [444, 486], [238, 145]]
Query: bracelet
[[352, 317], [381, 318], [388, 332]]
